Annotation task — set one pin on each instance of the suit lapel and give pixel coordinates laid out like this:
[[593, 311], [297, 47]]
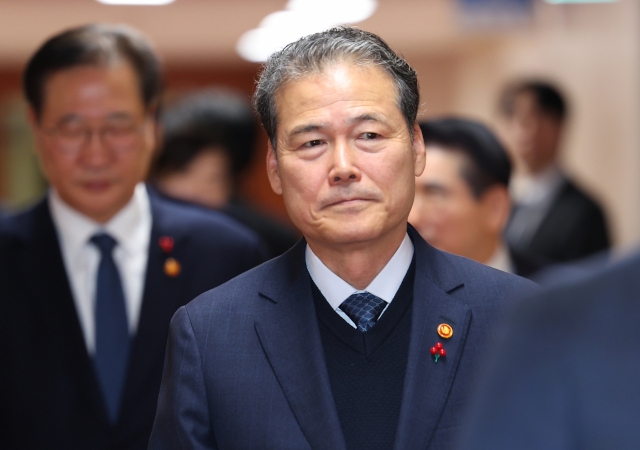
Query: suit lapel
[[53, 303], [161, 297], [289, 333], [427, 383]]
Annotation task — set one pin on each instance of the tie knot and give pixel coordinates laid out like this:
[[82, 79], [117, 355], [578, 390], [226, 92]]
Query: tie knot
[[363, 308], [104, 242]]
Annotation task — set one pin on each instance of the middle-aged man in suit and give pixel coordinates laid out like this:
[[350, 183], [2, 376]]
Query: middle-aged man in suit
[[565, 372], [329, 345], [91, 275], [462, 199], [553, 218]]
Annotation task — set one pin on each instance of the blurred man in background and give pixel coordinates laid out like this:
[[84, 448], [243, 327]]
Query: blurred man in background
[[209, 138], [462, 198], [553, 219], [91, 275]]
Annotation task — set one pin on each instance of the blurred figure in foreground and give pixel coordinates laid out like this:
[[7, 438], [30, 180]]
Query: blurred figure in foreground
[[209, 139], [462, 198], [91, 275], [565, 374], [553, 219]]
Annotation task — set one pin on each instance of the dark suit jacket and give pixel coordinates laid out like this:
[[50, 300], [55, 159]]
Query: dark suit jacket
[[245, 366], [49, 396], [574, 227], [566, 373], [526, 266], [278, 237]]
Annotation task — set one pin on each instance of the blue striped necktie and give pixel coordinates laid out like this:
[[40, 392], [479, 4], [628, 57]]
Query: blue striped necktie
[[112, 330], [364, 309]]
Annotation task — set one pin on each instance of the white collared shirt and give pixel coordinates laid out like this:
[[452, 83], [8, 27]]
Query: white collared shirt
[[385, 285], [131, 228], [501, 259]]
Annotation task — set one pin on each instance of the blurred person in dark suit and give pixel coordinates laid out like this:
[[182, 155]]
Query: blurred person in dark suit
[[209, 138], [462, 202], [553, 218], [564, 374], [91, 275], [329, 345]]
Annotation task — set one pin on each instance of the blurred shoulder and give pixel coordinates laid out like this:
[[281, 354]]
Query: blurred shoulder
[[26, 223], [201, 224], [608, 289]]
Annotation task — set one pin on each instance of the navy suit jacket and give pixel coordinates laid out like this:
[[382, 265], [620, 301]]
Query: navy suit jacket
[[245, 366], [566, 372], [49, 395], [574, 227]]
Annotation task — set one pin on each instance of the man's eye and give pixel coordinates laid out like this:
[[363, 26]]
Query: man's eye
[[70, 131], [369, 136], [313, 143], [120, 129]]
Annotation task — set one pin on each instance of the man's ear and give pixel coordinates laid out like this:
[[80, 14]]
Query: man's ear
[[272, 169], [498, 207], [32, 117], [34, 123], [419, 152]]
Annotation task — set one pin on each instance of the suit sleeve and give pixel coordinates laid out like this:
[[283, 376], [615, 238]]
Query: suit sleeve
[[182, 418]]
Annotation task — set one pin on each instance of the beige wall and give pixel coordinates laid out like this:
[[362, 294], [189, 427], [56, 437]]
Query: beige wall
[[593, 53]]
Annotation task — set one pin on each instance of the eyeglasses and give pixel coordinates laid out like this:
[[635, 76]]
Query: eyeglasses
[[121, 136]]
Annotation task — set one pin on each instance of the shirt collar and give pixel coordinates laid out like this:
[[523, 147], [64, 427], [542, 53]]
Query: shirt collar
[[501, 259], [129, 227], [384, 285]]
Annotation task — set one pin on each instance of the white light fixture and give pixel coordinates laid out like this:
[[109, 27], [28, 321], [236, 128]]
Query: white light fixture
[[300, 18], [136, 2], [564, 2]]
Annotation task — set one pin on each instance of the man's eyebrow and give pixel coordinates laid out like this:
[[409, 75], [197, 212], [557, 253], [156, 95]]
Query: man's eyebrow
[[306, 129], [301, 129], [368, 117], [432, 186]]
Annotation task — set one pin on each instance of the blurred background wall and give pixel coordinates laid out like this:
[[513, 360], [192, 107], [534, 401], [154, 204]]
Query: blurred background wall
[[463, 58]]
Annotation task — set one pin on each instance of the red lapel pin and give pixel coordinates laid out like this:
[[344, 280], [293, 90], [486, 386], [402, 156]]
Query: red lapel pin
[[166, 243], [438, 351]]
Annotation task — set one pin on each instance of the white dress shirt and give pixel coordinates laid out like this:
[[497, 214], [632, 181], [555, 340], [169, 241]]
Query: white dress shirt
[[385, 285], [131, 228]]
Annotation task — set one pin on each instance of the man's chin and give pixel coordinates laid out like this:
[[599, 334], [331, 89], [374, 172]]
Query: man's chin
[[99, 205]]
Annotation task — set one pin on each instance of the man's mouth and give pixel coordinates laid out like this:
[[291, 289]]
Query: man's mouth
[[96, 186]]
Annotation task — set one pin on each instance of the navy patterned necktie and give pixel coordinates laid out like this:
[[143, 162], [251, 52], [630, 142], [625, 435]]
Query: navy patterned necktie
[[112, 329], [364, 309]]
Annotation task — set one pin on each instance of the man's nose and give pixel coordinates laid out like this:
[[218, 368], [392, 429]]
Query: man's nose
[[95, 152], [344, 168]]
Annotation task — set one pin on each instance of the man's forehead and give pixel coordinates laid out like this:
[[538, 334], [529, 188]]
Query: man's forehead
[[337, 77], [92, 87]]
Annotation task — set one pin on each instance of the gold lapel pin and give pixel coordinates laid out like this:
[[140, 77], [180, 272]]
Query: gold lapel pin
[[172, 267], [445, 331]]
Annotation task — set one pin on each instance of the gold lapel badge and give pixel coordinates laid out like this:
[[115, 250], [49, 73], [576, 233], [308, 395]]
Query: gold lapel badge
[[445, 331], [172, 267]]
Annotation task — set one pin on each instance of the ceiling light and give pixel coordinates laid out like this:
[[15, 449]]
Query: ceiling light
[[300, 18], [562, 2], [136, 2]]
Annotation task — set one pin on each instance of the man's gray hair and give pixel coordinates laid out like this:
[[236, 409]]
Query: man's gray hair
[[312, 54]]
